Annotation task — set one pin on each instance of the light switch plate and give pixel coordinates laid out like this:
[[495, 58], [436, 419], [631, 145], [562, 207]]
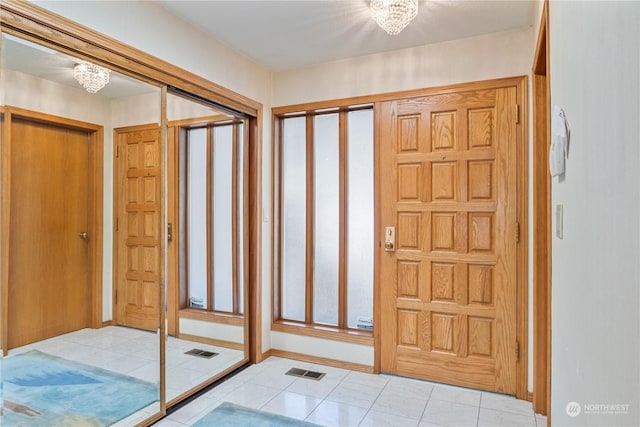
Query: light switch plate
[[559, 219]]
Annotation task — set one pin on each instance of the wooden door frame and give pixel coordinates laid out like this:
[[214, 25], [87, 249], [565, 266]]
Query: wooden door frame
[[94, 213], [522, 214], [541, 96]]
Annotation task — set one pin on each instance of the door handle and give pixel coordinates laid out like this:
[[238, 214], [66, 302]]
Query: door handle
[[83, 235], [390, 239]]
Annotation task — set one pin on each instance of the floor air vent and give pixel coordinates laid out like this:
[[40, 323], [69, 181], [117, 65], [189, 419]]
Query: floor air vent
[[303, 373], [201, 353]]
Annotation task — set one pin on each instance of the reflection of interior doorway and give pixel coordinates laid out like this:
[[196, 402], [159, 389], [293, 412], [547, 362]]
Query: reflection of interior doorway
[[138, 218], [208, 218], [53, 193]]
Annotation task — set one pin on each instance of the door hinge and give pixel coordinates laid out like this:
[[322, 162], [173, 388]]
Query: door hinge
[[517, 350], [117, 151], [117, 225], [169, 232], [116, 302], [517, 113], [517, 232]]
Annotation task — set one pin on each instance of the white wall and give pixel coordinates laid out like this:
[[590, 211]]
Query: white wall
[[485, 57], [505, 54], [32, 93], [595, 78]]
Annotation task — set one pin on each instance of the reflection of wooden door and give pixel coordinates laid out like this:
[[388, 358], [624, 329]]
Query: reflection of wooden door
[[48, 289], [448, 185], [137, 299]]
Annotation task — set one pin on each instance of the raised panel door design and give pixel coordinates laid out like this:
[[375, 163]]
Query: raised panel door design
[[443, 181], [480, 127], [443, 131], [408, 327], [139, 230], [408, 279], [480, 284], [448, 290], [443, 277], [443, 332], [481, 182], [409, 133], [410, 182], [408, 231], [443, 231]]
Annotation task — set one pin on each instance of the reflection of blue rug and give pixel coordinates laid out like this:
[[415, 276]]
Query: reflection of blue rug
[[230, 415], [44, 390]]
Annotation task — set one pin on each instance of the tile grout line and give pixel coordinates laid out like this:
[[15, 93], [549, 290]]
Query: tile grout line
[[479, 408], [433, 387]]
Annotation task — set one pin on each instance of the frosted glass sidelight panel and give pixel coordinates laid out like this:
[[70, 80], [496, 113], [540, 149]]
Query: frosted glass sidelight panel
[[222, 200], [326, 153], [240, 213], [360, 217], [294, 196], [197, 217]]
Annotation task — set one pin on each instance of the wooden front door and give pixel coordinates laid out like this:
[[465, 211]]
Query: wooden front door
[[448, 289], [48, 287], [138, 229]]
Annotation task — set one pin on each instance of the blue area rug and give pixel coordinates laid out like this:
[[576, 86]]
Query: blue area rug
[[44, 390], [230, 415]]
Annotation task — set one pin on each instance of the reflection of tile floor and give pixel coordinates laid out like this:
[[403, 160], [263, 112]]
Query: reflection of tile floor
[[348, 398], [136, 353]]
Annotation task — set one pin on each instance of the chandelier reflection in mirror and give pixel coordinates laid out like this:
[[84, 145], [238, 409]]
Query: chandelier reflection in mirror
[[91, 76], [394, 15]]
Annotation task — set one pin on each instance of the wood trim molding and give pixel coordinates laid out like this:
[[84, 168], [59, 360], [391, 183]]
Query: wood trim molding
[[264, 356], [5, 188], [522, 251], [213, 317], [212, 341], [541, 221], [200, 121], [390, 96], [254, 296], [346, 335], [322, 361]]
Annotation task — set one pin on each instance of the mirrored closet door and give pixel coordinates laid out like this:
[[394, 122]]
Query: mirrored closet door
[[81, 281], [129, 225], [207, 269]]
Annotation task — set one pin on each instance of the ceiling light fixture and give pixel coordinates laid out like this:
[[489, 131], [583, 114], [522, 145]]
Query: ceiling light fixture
[[394, 15], [91, 76]]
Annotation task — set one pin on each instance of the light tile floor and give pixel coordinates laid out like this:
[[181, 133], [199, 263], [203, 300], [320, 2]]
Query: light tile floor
[[349, 398], [136, 353]]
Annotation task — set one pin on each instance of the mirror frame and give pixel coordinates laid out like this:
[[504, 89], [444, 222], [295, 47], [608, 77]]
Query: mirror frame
[[38, 25]]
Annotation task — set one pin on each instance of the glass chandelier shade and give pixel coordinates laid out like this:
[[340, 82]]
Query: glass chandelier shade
[[394, 15], [92, 77]]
